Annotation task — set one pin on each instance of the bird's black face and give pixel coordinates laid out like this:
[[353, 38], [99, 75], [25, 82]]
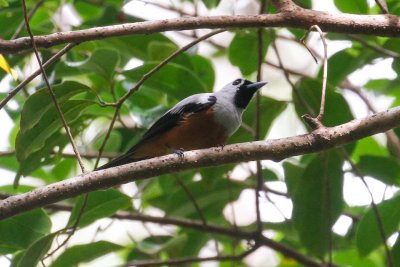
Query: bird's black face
[[245, 91]]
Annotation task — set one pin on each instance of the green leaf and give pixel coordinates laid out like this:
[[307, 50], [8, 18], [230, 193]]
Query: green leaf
[[163, 244], [310, 90], [392, 44], [396, 252], [368, 146], [20, 231], [102, 62], [3, 3], [304, 3], [243, 51], [134, 46], [44, 155], [36, 251], [353, 6], [384, 169], [211, 196], [88, 11], [317, 202], [169, 80], [342, 64], [84, 253], [159, 51], [10, 17], [368, 236], [293, 174], [211, 3], [37, 138], [351, 258], [100, 204], [39, 103], [204, 69], [188, 244]]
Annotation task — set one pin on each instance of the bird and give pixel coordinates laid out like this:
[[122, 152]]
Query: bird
[[199, 121]]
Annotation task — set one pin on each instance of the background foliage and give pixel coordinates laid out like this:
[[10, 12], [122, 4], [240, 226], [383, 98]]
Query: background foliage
[[97, 72]]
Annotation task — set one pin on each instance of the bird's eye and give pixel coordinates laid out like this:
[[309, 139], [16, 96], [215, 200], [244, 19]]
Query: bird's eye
[[237, 82]]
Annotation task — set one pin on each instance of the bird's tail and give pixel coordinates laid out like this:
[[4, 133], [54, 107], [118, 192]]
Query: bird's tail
[[121, 160], [141, 151]]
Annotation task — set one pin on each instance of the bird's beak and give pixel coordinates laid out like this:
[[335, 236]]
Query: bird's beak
[[257, 85]]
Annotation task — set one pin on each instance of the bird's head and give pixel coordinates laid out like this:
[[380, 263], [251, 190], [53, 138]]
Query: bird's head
[[242, 91]]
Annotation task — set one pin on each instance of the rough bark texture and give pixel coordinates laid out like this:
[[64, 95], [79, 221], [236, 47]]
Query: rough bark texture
[[289, 15], [278, 149]]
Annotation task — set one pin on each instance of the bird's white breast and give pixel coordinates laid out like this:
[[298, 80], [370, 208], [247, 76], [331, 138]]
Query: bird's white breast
[[227, 115]]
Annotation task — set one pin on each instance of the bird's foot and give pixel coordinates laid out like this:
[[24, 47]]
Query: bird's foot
[[179, 152], [222, 146]]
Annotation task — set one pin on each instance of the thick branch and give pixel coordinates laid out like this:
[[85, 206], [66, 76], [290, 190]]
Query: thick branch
[[278, 149], [296, 17]]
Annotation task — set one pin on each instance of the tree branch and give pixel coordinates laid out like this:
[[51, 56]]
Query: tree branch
[[321, 139], [188, 260], [295, 16]]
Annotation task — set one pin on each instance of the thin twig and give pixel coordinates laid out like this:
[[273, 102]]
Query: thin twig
[[259, 180], [165, 61], [317, 122], [375, 48], [52, 94], [62, 118], [185, 261], [54, 58], [197, 208], [30, 15], [70, 230], [221, 47], [286, 74], [273, 191], [378, 216], [326, 180], [383, 6], [170, 8], [87, 155], [110, 128], [231, 205], [392, 139]]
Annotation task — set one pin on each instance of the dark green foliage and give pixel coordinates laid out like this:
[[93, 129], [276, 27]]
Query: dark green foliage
[[91, 77]]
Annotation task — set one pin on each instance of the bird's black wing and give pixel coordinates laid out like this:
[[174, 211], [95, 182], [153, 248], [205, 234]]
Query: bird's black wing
[[175, 115], [169, 120]]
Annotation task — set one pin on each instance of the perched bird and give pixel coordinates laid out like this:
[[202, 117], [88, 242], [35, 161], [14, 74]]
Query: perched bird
[[198, 121]]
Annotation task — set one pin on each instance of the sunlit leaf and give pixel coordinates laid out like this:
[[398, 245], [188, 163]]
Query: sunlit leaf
[[368, 235], [354, 6], [169, 80], [243, 51], [77, 254], [20, 231], [100, 204], [317, 202], [211, 3], [388, 171], [36, 251]]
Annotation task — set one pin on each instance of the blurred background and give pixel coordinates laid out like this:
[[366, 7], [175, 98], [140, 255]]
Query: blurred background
[[296, 209]]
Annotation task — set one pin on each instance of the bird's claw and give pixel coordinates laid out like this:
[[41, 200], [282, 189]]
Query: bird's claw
[[179, 152]]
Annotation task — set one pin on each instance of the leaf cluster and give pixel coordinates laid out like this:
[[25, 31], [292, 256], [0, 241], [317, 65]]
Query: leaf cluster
[[95, 74]]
